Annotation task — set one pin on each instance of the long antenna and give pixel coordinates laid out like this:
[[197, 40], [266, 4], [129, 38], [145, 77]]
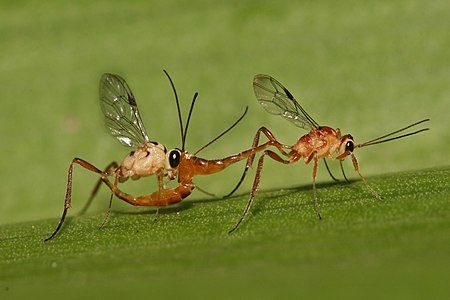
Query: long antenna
[[188, 120], [394, 138], [224, 132], [178, 107], [394, 132]]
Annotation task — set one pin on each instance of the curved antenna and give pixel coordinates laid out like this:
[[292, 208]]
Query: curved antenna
[[178, 107], [188, 120], [224, 132]]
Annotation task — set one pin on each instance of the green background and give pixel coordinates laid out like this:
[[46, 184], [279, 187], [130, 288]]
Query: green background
[[365, 67]]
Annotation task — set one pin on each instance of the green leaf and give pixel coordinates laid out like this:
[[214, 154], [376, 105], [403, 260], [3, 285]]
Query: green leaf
[[363, 247]]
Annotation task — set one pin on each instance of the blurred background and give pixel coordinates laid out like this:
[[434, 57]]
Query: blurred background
[[365, 67]]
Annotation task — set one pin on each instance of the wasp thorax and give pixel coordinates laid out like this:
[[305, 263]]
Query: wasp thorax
[[146, 160]]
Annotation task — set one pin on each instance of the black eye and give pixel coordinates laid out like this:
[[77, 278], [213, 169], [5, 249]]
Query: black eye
[[174, 158], [349, 146]]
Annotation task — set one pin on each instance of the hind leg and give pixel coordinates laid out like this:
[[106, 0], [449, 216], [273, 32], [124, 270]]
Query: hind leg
[[256, 182], [272, 141], [108, 171], [68, 197]]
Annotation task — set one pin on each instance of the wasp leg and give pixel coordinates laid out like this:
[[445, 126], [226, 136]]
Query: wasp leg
[[159, 198], [372, 191], [68, 197], [256, 182], [161, 186], [329, 171], [108, 212], [205, 191], [272, 141], [343, 172], [314, 175], [108, 170]]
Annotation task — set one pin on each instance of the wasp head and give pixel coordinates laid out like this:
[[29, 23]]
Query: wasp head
[[346, 146]]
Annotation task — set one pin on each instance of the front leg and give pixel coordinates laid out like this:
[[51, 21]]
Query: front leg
[[356, 166]]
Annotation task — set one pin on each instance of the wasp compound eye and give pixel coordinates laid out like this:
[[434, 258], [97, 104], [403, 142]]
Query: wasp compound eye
[[174, 158], [349, 146]]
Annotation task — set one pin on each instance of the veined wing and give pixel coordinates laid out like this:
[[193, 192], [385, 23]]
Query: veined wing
[[120, 110], [277, 100]]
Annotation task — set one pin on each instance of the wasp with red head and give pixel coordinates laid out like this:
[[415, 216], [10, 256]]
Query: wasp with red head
[[320, 142], [122, 118]]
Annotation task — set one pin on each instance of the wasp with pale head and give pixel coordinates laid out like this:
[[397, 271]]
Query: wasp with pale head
[[122, 118]]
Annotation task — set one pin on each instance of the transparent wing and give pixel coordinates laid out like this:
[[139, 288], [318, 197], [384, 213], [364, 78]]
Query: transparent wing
[[277, 100], [120, 110]]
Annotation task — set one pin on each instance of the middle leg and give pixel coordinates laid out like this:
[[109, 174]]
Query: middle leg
[[314, 175], [108, 212]]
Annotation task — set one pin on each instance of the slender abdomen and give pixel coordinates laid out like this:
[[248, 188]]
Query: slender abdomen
[[192, 165]]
